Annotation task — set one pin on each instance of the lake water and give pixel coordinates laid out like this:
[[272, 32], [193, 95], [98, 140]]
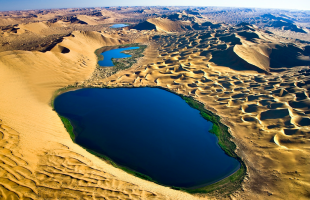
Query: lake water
[[149, 130], [118, 25], [114, 53]]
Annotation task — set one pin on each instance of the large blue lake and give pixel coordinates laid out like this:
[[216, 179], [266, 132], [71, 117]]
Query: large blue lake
[[114, 53], [149, 130], [118, 25]]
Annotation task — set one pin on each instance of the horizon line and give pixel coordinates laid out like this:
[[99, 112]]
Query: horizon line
[[156, 6]]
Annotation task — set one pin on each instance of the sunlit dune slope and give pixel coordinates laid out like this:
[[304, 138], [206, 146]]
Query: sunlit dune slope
[[161, 24], [166, 25]]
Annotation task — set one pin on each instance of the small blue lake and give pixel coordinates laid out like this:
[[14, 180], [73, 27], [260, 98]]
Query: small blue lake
[[149, 130], [118, 25], [114, 53]]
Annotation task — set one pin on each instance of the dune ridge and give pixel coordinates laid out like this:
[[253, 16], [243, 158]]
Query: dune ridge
[[166, 25]]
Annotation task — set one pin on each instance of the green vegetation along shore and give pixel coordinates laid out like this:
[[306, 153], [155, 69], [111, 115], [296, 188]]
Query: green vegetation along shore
[[233, 182], [119, 64]]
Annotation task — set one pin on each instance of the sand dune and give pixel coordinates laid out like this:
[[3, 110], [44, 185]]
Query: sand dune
[[161, 24], [87, 19], [33, 27], [166, 25], [255, 55]]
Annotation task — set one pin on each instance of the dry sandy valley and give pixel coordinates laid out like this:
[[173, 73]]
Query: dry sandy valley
[[254, 75]]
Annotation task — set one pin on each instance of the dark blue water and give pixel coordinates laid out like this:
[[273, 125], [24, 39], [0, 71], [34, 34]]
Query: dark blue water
[[114, 53], [149, 130], [118, 25]]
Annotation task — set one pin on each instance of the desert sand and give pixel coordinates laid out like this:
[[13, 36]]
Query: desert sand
[[256, 83]]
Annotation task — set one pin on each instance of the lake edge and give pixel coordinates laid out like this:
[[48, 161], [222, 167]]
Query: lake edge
[[122, 25], [237, 176], [127, 51]]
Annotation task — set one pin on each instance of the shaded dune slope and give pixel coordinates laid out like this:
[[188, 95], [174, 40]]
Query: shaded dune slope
[[269, 56], [145, 26], [235, 62]]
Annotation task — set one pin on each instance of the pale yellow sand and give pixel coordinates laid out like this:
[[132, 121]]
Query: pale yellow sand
[[89, 20], [33, 27], [166, 25]]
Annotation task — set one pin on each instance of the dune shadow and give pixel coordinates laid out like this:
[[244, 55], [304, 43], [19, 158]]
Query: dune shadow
[[288, 56], [228, 58]]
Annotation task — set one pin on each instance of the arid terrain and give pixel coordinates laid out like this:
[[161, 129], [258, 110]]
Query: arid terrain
[[249, 66]]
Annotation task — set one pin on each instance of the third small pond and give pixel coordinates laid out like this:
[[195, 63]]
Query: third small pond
[[114, 53], [148, 130], [118, 25]]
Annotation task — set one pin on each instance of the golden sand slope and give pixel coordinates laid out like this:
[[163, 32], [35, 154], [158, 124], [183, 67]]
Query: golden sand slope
[[166, 25], [87, 19], [268, 115], [33, 27]]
